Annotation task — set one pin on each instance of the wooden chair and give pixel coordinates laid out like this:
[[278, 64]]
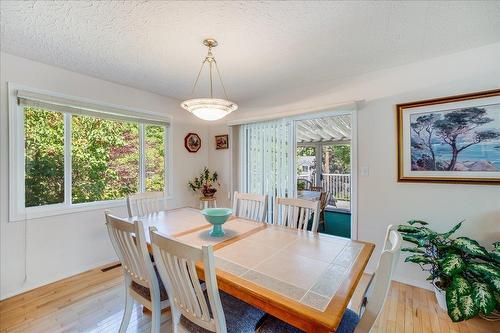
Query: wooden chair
[[323, 202], [192, 309], [140, 204], [142, 283], [296, 213], [250, 206], [374, 296]]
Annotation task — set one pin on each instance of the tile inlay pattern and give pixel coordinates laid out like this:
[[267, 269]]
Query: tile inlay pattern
[[309, 268]]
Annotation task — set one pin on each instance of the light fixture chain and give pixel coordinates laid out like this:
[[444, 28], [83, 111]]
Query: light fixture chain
[[211, 84], [197, 77], [220, 79]]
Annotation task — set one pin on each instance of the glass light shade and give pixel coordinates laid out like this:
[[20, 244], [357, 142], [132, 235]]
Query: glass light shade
[[209, 108]]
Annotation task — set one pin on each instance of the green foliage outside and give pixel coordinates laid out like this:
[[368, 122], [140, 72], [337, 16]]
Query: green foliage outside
[[44, 159], [155, 163], [104, 157], [339, 157]]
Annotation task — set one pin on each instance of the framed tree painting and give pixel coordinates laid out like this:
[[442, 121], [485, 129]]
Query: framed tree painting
[[450, 140], [192, 142]]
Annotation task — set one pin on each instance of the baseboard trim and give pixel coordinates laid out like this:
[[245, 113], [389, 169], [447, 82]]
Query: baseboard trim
[[33, 285]]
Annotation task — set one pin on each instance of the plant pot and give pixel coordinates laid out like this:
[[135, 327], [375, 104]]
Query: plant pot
[[208, 193], [440, 297]]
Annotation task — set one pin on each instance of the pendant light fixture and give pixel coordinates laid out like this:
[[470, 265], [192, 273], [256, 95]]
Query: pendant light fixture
[[209, 108]]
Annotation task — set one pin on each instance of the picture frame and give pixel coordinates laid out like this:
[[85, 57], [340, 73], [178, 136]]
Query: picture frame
[[222, 141], [450, 140], [192, 142]]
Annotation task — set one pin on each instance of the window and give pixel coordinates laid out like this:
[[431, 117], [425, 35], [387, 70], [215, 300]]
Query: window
[[72, 157], [104, 159], [44, 157]]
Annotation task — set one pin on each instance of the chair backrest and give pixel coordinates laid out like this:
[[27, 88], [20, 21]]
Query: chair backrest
[[130, 246], [324, 197], [377, 290], [296, 213], [250, 206], [176, 263], [140, 204]]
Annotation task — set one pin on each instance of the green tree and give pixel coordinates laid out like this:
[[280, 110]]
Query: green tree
[[104, 158], [44, 157], [460, 123]]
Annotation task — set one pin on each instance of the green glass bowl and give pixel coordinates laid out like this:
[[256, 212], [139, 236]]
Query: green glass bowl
[[217, 217]]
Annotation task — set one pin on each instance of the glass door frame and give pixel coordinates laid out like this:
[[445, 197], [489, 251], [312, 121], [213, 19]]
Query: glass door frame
[[354, 158]]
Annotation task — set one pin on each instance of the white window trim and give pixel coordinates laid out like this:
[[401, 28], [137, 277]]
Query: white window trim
[[17, 211]]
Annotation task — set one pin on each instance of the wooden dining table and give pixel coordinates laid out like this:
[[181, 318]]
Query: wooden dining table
[[305, 279]]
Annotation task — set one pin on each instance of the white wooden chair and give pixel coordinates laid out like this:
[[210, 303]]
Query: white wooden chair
[[140, 204], [374, 296], [378, 288], [142, 283], [296, 213], [192, 309], [250, 206]]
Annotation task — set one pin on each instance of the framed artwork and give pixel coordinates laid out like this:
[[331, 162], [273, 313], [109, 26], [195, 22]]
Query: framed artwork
[[192, 142], [222, 141], [450, 140]]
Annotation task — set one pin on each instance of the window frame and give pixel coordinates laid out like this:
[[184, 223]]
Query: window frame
[[17, 209]]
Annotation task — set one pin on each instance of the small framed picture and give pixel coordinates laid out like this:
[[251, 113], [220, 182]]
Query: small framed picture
[[222, 141], [192, 142], [450, 140]]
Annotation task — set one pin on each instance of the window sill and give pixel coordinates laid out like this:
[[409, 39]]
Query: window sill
[[47, 211]]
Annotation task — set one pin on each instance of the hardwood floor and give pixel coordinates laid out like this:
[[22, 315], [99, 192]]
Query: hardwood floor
[[93, 302]]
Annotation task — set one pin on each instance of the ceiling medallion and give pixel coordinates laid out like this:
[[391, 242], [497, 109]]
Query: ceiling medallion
[[209, 108]]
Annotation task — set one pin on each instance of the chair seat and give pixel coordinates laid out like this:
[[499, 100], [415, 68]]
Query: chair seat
[[240, 316], [273, 325], [146, 293]]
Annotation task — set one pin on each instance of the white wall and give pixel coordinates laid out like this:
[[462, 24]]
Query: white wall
[[63, 245], [218, 160], [381, 199]]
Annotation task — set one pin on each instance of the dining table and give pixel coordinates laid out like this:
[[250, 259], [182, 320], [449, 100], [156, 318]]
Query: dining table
[[303, 278], [308, 195]]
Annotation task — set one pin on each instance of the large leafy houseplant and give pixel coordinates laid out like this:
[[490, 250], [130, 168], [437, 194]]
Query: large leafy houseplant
[[206, 182], [468, 273]]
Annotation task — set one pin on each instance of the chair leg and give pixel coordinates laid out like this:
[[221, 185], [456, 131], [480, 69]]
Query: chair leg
[[176, 319], [129, 305], [155, 314]]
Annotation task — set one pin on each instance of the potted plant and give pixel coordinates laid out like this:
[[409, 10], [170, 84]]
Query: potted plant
[[206, 182], [465, 276]]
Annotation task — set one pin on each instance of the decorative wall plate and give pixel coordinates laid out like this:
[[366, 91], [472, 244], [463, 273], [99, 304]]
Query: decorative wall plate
[[192, 142]]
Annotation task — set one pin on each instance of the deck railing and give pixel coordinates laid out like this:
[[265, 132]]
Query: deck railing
[[339, 185]]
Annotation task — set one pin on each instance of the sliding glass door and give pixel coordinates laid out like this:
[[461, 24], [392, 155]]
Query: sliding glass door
[[301, 157]]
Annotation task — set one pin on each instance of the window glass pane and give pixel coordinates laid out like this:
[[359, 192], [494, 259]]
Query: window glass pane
[[155, 157], [105, 159], [44, 157]]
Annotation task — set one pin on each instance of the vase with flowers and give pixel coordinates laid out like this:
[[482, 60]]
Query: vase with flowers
[[206, 183]]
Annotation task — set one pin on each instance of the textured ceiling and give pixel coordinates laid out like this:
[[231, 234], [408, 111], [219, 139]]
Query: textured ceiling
[[265, 47]]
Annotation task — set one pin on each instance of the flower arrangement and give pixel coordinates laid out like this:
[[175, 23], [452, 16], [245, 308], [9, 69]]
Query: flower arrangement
[[465, 270], [206, 182]]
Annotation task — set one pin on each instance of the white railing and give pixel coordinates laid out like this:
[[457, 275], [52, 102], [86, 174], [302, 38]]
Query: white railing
[[339, 185]]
